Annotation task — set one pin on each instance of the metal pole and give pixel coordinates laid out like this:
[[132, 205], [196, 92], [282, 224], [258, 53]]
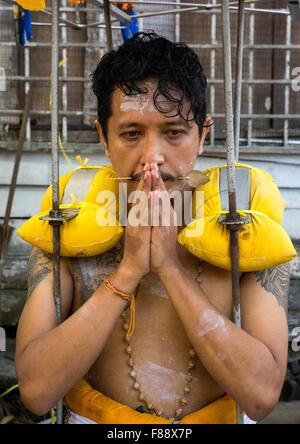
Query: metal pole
[[213, 73], [64, 37], [177, 25], [229, 106], [239, 76], [106, 6], [6, 230], [54, 139], [55, 170], [287, 77], [27, 87], [233, 217], [250, 75]]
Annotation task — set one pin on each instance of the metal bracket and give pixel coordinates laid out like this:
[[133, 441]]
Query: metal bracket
[[57, 217], [234, 222]]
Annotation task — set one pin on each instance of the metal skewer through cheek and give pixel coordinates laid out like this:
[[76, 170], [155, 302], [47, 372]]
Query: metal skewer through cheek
[[193, 178], [131, 178]]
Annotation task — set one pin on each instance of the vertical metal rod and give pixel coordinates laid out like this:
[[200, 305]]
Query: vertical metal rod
[[106, 8], [64, 34], [6, 229], [213, 73], [54, 130], [250, 69], [234, 247], [239, 76], [27, 87], [228, 105], [13, 182], [55, 169], [177, 25], [287, 77], [101, 31]]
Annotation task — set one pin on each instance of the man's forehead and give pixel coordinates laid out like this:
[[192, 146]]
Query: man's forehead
[[149, 100], [150, 87]]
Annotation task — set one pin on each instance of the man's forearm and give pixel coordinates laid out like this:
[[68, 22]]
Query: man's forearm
[[242, 365], [52, 363]]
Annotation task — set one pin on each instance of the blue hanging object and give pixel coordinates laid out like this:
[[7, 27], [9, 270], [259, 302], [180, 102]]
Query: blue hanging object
[[132, 29], [128, 31], [25, 27]]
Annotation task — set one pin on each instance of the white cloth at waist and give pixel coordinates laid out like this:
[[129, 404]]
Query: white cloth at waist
[[74, 418]]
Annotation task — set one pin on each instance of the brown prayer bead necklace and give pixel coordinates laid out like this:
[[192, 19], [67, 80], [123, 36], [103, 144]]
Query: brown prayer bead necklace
[[148, 407]]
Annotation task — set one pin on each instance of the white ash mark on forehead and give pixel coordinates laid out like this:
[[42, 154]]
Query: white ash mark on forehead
[[140, 103]]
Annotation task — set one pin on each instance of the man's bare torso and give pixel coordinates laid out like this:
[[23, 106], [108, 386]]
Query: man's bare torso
[[159, 343]]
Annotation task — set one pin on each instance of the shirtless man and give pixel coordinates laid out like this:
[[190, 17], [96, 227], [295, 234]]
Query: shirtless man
[[153, 138]]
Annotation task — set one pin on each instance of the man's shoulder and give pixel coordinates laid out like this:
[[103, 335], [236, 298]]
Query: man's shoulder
[[113, 255]]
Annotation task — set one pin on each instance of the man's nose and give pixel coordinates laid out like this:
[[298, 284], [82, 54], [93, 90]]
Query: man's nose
[[152, 150]]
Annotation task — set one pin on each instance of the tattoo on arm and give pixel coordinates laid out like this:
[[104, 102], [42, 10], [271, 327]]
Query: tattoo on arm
[[276, 281], [87, 275], [39, 266]]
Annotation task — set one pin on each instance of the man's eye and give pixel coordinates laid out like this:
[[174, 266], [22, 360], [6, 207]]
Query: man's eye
[[131, 134], [175, 133]]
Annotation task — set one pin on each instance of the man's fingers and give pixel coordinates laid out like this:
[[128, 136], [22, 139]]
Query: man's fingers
[[145, 182], [161, 184], [162, 213], [157, 182], [148, 180], [154, 175]]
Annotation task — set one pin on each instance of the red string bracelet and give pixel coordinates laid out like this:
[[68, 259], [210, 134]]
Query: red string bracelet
[[129, 297]]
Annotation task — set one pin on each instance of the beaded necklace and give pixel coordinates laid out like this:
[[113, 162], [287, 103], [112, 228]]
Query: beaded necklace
[[148, 407]]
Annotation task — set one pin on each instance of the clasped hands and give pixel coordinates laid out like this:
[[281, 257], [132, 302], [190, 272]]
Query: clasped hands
[[152, 246]]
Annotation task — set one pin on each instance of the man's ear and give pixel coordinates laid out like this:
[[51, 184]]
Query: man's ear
[[205, 131], [102, 138]]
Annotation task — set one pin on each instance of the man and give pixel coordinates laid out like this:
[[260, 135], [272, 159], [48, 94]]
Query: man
[[185, 353]]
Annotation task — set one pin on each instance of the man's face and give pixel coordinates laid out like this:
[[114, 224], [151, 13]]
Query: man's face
[[138, 133]]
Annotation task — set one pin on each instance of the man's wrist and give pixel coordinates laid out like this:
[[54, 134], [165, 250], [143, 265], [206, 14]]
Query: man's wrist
[[125, 278], [169, 272]]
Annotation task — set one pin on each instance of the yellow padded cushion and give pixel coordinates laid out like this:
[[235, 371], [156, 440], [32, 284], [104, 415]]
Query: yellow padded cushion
[[263, 243], [93, 231], [80, 237]]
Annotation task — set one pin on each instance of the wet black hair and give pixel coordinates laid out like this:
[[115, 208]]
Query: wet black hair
[[149, 56]]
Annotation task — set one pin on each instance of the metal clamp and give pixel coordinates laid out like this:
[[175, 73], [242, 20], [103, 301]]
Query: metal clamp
[[57, 217], [234, 222]]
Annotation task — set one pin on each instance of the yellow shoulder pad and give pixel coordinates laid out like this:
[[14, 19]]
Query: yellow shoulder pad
[[95, 229], [263, 243]]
